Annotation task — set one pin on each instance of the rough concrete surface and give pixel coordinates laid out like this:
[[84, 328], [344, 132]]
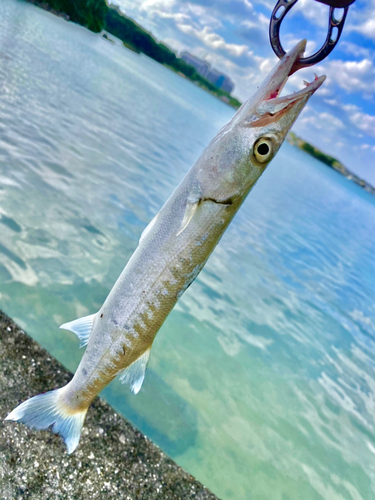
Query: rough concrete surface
[[113, 460]]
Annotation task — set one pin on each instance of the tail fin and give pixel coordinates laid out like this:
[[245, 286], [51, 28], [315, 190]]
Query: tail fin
[[46, 410]]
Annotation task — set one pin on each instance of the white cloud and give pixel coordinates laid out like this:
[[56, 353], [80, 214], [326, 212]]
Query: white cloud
[[175, 45], [364, 122], [361, 20], [289, 41], [355, 115], [156, 4], [367, 28], [350, 108], [332, 102], [213, 40], [331, 121], [354, 49], [319, 121], [352, 76], [231, 11], [260, 22], [205, 16], [316, 12], [178, 17]]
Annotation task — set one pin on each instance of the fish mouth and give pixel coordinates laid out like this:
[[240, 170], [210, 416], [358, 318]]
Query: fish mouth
[[276, 80]]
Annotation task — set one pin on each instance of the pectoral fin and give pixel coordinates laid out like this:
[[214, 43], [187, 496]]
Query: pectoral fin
[[191, 207], [134, 374], [81, 327]]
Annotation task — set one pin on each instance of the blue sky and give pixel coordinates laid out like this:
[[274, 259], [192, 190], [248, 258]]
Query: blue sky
[[233, 36]]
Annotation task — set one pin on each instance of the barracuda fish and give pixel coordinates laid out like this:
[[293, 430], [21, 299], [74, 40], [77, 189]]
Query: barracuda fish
[[172, 251]]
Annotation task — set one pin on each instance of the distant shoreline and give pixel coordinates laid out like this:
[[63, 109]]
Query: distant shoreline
[[328, 160]]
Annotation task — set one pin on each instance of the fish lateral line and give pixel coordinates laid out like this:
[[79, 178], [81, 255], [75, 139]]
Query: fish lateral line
[[228, 201]]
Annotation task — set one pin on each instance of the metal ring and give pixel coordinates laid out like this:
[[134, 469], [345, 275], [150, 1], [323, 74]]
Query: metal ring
[[329, 44]]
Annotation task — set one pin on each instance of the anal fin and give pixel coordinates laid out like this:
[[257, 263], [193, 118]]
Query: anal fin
[[81, 327], [134, 374]]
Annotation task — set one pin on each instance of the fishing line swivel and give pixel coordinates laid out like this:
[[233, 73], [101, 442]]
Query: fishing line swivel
[[335, 26]]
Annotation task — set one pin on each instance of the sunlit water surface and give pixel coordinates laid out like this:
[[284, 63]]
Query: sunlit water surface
[[261, 381]]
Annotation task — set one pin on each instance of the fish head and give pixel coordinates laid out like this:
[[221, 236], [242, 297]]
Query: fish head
[[246, 145]]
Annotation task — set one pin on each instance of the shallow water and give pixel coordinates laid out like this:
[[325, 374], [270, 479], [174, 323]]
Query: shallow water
[[261, 381]]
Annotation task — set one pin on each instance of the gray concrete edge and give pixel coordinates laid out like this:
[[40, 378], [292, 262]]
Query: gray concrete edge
[[113, 460]]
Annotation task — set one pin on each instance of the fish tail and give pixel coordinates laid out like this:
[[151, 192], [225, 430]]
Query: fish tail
[[49, 411]]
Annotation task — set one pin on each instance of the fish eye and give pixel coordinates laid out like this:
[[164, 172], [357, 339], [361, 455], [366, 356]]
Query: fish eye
[[263, 149]]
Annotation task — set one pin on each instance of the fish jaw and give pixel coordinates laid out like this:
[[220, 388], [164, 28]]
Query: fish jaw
[[231, 164], [277, 78], [268, 100]]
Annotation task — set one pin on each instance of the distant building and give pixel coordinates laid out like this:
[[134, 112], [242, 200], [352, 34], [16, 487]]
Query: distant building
[[218, 79]]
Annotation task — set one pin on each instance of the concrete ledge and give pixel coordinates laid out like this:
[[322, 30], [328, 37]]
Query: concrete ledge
[[113, 460]]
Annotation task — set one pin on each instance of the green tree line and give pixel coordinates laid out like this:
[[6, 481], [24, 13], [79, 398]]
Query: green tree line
[[89, 13]]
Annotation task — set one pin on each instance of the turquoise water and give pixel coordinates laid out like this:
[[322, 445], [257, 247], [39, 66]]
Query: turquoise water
[[261, 382]]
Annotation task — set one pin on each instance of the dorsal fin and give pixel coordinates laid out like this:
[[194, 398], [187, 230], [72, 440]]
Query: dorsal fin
[[134, 374], [81, 327]]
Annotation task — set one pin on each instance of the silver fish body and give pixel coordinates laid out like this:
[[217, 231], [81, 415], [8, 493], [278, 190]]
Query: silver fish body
[[172, 251]]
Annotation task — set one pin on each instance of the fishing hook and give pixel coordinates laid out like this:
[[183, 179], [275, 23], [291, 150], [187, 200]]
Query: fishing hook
[[335, 27]]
